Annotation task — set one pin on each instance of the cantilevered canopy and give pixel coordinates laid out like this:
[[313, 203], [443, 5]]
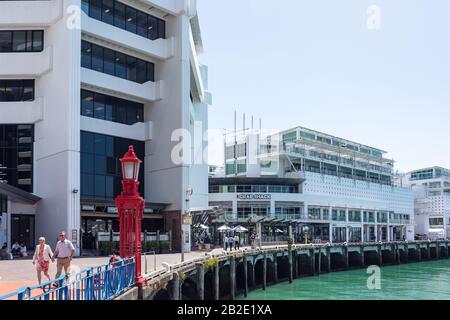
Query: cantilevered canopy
[[16, 194]]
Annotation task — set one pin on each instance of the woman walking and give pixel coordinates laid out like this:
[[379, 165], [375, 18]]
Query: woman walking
[[43, 254]]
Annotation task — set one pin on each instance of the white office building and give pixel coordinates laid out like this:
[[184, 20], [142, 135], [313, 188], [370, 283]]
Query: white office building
[[80, 81], [327, 188], [431, 188]]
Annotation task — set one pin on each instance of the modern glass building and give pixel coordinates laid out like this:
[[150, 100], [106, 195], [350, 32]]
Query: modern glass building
[[80, 81], [328, 188], [431, 201]]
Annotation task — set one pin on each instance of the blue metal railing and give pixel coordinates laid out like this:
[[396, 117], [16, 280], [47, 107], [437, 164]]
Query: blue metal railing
[[104, 282]]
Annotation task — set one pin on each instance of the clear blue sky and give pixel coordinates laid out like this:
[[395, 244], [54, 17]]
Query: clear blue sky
[[315, 64]]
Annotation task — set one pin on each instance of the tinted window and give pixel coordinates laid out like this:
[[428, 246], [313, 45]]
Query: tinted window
[[108, 64], [86, 54], [97, 58], [125, 17], [16, 90], [119, 15], [115, 63], [87, 104], [19, 41], [16, 155], [108, 11], [99, 106], [100, 172], [5, 41], [95, 9], [131, 17]]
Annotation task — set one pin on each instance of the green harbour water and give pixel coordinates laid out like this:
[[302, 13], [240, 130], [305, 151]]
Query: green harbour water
[[415, 281]]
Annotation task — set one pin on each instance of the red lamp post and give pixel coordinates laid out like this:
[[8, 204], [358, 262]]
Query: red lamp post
[[130, 206]]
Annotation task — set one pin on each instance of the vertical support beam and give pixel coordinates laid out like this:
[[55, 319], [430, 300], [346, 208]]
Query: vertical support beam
[[264, 282], [275, 268], [363, 262], [252, 274], [216, 282], [397, 249], [294, 265], [419, 253], [232, 277], [438, 251], [320, 260], [428, 251], [291, 273], [346, 262], [175, 287], [380, 255], [312, 260], [245, 276], [329, 259], [446, 249], [200, 281]]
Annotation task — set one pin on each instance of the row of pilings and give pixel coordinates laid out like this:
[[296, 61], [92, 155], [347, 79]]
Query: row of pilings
[[230, 275]]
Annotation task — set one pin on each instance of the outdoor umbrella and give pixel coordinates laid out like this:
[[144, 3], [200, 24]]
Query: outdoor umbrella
[[240, 229], [224, 228]]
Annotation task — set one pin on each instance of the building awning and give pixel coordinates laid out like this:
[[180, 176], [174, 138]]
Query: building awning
[[18, 195], [255, 181], [202, 209]]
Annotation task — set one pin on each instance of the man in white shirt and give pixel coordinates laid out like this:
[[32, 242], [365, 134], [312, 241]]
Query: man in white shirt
[[63, 253]]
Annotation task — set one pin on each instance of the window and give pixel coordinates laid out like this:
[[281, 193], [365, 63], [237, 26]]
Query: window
[[16, 90], [108, 11], [16, 155], [22, 41], [100, 168], [125, 17], [100, 106], [108, 61]]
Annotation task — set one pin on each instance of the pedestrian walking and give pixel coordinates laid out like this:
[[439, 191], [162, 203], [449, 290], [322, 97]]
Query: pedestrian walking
[[225, 242], [237, 245], [230, 242], [63, 253], [42, 255]]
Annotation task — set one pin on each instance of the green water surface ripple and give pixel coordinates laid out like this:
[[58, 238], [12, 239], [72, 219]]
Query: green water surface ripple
[[416, 281]]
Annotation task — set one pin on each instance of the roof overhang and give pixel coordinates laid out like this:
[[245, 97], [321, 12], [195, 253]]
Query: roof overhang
[[18, 195]]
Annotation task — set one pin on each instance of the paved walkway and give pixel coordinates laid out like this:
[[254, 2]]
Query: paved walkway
[[22, 273]]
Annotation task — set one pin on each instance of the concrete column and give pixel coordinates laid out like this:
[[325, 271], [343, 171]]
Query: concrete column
[[438, 251], [345, 251], [363, 263], [295, 265], [252, 274], [232, 278], [428, 251], [312, 260], [275, 268], [406, 248], [291, 273], [245, 276], [216, 283], [329, 259], [175, 287], [319, 267], [380, 256], [397, 250], [446, 249], [200, 281], [264, 282], [419, 253]]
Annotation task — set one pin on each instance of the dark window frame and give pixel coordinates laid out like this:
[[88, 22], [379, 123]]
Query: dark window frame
[[29, 45]]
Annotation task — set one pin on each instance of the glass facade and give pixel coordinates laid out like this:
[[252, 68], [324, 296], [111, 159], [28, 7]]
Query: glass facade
[[253, 189], [100, 106], [101, 174], [16, 155], [22, 41], [116, 64], [16, 90], [125, 17]]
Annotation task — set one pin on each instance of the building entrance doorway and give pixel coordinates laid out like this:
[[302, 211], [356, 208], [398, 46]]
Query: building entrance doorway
[[22, 229]]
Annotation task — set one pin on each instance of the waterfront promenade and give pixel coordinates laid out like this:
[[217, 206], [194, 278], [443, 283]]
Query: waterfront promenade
[[22, 273]]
